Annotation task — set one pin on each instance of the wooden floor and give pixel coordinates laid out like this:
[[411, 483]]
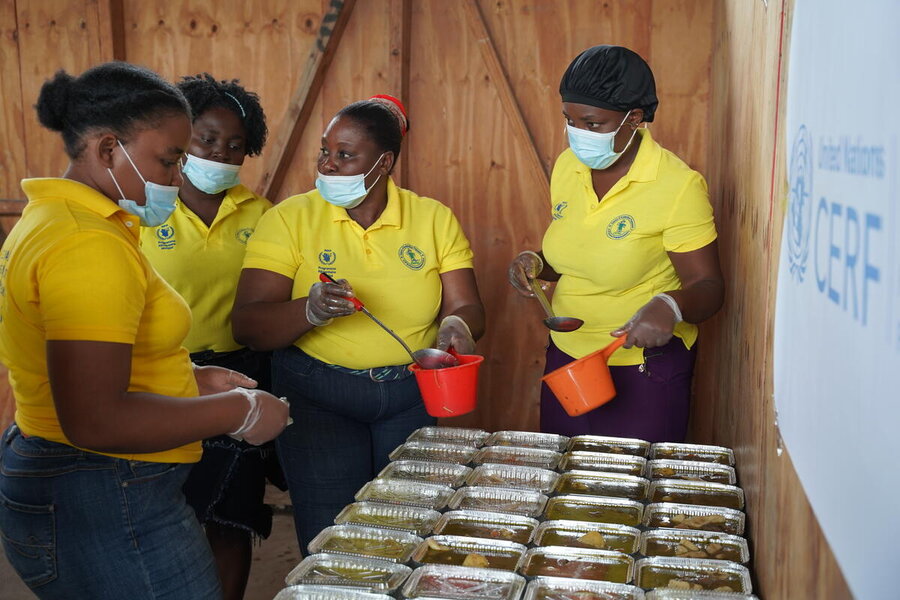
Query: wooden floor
[[271, 561]]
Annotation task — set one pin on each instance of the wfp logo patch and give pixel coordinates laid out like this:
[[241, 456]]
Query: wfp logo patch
[[243, 235], [327, 256], [411, 256], [165, 237], [558, 210], [620, 227], [799, 218]]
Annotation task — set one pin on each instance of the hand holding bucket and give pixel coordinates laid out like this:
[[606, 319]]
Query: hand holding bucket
[[586, 383]]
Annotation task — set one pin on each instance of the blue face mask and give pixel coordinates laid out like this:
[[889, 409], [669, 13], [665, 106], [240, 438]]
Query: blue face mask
[[346, 191], [209, 176], [596, 149], [159, 200]]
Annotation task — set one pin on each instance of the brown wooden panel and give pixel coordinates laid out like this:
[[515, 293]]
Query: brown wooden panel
[[362, 67], [111, 22], [264, 43], [733, 386], [465, 153], [536, 41], [12, 125], [284, 141], [54, 34], [680, 50]]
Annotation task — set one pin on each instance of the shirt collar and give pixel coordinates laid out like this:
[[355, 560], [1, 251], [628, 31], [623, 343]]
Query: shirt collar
[[238, 194], [41, 188], [58, 188], [646, 162], [391, 215]]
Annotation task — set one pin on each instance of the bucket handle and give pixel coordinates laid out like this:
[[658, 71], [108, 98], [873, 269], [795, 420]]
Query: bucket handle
[[615, 345]]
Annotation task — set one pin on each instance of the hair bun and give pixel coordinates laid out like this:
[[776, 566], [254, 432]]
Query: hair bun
[[397, 109], [53, 102]]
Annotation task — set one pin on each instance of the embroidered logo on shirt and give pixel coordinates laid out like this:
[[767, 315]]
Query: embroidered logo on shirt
[[244, 234], [411, 256], [558, 210], [327, 256], [620, 227], [165, 234]]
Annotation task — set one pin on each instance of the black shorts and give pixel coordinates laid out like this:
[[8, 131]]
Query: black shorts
[[228, 485]]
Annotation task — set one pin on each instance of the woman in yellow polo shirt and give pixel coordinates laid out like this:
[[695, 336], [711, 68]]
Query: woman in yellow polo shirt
[[405, 257], [632, 245], [109, 410], [199, 251]]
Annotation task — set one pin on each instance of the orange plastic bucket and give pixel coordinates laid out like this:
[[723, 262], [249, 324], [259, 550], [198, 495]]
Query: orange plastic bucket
[[586, 383], [452, 391]]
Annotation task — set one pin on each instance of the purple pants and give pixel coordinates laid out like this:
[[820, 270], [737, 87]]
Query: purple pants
[[652, 405]]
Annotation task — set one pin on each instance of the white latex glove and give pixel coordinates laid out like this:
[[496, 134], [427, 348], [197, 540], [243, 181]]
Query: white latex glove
[[454, 332], [524, 267], [266, 417]]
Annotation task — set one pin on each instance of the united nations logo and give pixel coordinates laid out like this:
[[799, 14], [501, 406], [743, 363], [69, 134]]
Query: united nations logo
[[799, 215], [620, 227], [165, 237], [558, 210], [327, 256], [244, 234], [411, 256]]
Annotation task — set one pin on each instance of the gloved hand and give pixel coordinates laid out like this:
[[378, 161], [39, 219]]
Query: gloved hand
[[267, 416], [453, 331], [212, 379], [329, 300], [527, 265], [650, 327]]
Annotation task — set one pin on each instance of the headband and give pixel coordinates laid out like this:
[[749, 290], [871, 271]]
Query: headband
[[396, 107], [243, 114]]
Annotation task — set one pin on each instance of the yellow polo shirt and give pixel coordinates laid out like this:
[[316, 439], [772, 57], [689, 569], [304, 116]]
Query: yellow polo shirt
[[394, 267], [611, 254], [71, 269], [204, 263]]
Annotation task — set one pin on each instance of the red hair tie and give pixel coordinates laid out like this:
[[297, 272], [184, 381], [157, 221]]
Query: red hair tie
[[396, 107]]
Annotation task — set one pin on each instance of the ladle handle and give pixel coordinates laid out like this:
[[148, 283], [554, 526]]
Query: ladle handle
[[326, 278], [541, 296]]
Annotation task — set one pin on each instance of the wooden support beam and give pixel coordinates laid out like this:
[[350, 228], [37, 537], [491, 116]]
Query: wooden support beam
[[498, 74], [400, 27], [278, 159], [11, 207], [111, 16]]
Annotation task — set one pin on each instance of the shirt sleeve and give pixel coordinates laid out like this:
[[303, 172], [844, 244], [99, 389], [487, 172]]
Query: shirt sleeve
[[92, 286], [690, 225], [453, 246], [273, 245]]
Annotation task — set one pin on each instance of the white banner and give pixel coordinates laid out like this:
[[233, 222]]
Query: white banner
[[837, 320]]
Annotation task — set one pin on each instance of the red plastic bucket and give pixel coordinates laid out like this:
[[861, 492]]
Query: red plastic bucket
[[449, 392]]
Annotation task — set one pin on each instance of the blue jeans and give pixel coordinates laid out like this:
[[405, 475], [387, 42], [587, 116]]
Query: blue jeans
[[76, 524], [344, 428]]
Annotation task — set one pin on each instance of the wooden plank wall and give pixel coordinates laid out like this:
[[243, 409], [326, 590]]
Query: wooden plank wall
[[733, 395]]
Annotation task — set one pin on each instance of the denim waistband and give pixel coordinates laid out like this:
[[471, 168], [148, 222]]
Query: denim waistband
[[377, 374]]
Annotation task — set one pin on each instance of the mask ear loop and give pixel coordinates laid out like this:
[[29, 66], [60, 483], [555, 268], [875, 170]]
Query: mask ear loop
[[374, 183], [633, 133], [133, 166]]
